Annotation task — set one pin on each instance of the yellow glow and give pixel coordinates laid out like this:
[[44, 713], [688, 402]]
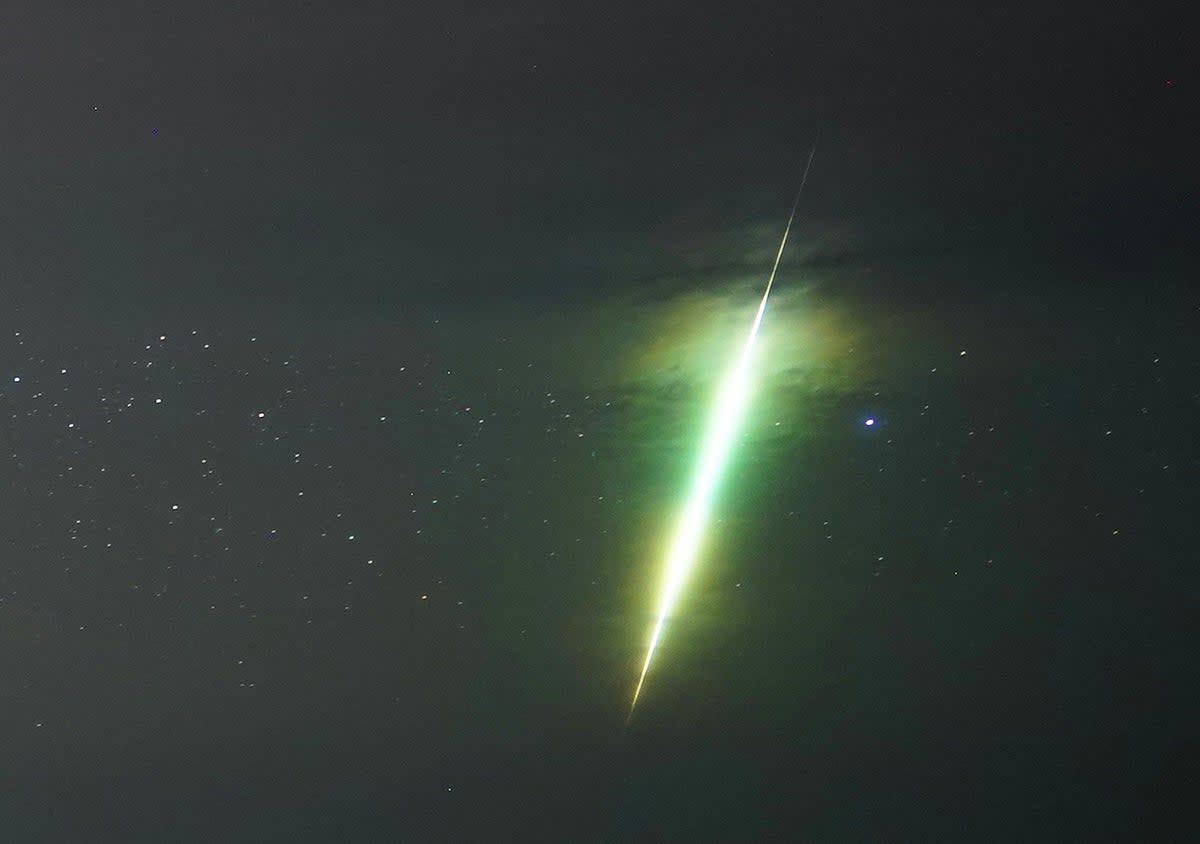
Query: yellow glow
[[726, 414]]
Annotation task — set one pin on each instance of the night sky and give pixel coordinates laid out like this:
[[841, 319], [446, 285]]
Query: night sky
[[354, 362]]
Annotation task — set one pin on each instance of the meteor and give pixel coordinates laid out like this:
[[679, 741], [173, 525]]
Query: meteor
[[726, 414]]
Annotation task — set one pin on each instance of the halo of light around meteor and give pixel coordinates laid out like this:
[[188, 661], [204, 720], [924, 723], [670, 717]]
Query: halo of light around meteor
[[689, 533], [726, 414]]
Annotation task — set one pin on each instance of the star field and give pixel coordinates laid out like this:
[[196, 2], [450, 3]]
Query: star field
[[354, 361], [332, 539]]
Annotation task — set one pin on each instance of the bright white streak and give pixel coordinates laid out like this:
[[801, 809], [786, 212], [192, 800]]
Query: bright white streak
[[727, 413]]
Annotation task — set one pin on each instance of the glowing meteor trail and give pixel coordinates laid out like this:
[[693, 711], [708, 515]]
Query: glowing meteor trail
[[726, 414]]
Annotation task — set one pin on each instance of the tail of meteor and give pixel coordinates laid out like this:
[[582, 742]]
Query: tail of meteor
[[727, 411]]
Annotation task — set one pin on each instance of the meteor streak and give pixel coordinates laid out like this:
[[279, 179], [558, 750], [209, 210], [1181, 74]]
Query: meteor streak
[[726, 414]]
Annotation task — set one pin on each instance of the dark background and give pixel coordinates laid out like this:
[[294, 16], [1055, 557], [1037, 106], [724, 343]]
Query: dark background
[[413, 312]]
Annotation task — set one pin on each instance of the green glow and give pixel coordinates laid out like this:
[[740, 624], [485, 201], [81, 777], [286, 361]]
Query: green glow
[[681, 558], [726, 414]]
